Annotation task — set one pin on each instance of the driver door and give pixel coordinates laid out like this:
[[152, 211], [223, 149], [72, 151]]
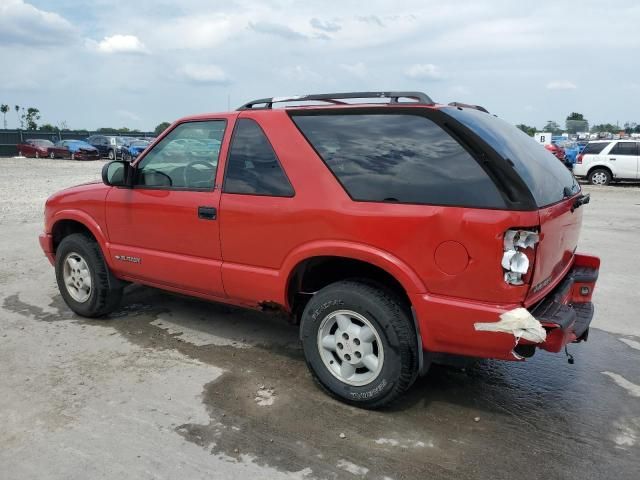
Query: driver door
[[165, 230]]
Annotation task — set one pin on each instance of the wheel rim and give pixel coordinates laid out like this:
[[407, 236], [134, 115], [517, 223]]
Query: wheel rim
[[599, 178], [73, 156], [350, 347], [111, 155], [77, 277], [52, 155], [37, 155]]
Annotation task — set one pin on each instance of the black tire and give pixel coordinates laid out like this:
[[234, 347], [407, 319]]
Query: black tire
[[106, 290], [111, 155], [600, 176], [52, 155], [391, 320]]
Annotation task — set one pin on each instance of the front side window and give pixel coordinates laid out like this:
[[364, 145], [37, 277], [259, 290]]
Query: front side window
[[253, 167], [187, 158], [624, 148], [398, 158]]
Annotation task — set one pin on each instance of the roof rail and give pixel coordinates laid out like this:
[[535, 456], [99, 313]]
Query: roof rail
[[468, 105], [335, 98]]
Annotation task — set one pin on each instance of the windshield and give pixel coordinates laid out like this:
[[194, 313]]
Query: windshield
[[547, 178]]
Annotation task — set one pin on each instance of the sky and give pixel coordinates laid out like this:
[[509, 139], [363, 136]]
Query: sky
[[137, 63]]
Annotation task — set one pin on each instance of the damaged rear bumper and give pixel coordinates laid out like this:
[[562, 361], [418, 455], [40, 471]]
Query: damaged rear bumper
[[450, 325], [566, 313]]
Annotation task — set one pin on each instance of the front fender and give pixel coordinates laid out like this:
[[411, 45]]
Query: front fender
[[86, 220]]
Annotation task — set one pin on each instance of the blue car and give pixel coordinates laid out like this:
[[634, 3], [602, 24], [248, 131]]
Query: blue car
[[79, 150], [131, 151]]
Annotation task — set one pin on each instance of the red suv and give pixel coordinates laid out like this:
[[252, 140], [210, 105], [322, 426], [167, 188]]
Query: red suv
[[394, 231]]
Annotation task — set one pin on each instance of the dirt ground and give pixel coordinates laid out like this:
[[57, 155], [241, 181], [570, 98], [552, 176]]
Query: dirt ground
[[172, 387]]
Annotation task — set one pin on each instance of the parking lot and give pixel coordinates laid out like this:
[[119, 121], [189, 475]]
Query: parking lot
[[173, 387]]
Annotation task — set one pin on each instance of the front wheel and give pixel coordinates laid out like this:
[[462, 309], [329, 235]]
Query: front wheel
[[85, 282], [600, 176], [112, 155], [52, 155], [360, 343]]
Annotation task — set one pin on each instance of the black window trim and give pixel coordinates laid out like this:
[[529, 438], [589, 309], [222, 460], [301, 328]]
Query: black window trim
[[181, 189], [502, 175], [226, 164]]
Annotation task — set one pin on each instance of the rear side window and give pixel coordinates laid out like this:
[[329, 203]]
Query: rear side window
[[624, 148], [594, 148], [398, 158], [253, 168]]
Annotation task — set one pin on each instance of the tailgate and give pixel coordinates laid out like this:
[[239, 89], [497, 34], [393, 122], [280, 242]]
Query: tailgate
[[559, 231]]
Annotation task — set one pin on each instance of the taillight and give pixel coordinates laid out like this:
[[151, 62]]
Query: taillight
[[579, 158], [515, 260]]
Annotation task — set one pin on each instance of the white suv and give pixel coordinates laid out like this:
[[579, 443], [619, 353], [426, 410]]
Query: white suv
[[605, 160]]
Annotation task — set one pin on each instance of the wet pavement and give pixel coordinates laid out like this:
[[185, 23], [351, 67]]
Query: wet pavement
[[542, 418], [174, 387]]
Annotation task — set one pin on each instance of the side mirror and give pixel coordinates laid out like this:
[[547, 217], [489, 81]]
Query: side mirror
[[117, 173]]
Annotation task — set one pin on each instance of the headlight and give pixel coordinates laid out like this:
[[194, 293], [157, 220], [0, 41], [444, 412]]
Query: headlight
[[514, 262]]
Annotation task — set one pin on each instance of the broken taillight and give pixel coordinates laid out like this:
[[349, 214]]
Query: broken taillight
[[515, 259]]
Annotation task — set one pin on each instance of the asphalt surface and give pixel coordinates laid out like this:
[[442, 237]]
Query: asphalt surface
[[173, 387]]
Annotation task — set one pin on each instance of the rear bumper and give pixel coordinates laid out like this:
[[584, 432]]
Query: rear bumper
[[46, 243], [447, 325]]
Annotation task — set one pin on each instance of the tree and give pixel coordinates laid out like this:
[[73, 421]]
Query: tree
[[47, 127], [21, 122], [576, 123], [630, 127], [29, 118], [4, 109], [552, 127], [161, 128], [527, 129], [605, 127]]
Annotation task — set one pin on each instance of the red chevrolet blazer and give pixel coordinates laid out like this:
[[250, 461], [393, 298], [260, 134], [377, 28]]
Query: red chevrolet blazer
[[392, 228]]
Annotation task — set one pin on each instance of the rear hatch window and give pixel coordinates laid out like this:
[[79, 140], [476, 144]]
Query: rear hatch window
[[547, 178]]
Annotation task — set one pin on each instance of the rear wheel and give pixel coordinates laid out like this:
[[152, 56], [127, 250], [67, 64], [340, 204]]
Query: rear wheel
[[112, 155], [85, 282], [360, 343], [600, 176], [73, 156], [37, 155], [52, 155]]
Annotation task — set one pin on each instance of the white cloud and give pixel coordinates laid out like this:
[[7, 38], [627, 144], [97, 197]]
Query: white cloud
[[204, 73], [24, 24], [561, 85], [356, 69], [424, 71], [121, 44]]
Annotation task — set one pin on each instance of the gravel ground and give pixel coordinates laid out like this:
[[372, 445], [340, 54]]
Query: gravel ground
[[173, 387]]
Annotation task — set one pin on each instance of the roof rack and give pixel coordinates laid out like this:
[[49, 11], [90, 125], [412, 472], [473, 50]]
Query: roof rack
[[335, 98], [468, 105]]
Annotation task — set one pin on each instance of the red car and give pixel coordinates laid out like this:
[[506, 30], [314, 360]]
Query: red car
[[556, 150], [41, 148], [392, 232]]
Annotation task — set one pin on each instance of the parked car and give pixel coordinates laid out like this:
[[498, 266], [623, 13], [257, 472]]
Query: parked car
[[571, 150], [389, 231], [79, 150], [39, 148], [556, 150], [604, 161], [132, 149], [109, 146]]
